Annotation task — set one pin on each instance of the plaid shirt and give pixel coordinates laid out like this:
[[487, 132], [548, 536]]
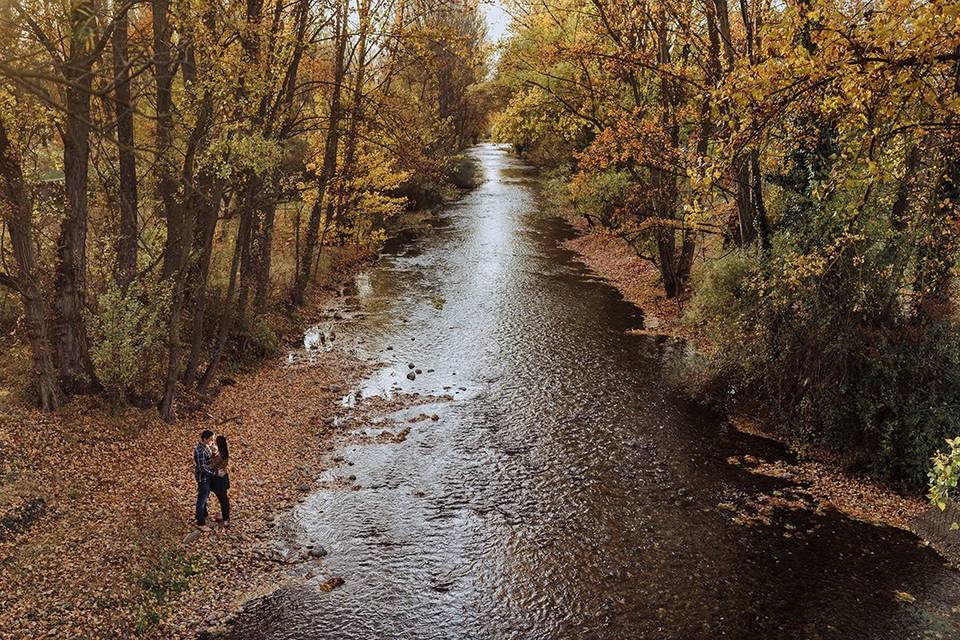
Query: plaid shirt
[[201, 463]]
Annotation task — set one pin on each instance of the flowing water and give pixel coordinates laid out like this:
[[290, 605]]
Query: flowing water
[[566, 490]]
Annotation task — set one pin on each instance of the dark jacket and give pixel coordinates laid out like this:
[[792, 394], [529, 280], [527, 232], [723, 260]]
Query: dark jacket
[[219, 482]]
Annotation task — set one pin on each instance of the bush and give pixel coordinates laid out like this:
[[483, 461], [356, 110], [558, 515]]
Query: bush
[[829, 363], [261, 340], [555, 192], [128, 337], [600, 197], [420, 192], [944, 475]]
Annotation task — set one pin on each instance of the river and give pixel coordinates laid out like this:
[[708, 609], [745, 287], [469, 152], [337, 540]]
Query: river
[[566, 490]]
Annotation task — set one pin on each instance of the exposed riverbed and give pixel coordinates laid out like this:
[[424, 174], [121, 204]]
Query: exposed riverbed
[[564, 490]]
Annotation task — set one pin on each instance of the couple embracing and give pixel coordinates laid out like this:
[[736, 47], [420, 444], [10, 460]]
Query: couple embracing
[[210, 459]]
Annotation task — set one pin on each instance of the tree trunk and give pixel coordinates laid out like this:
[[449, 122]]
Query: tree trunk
[[128, 227], [746, 228], [759, 211], [251, 204], [663, 182], [204, 200], [73, 353], [177, 306], [208, 226], [713, 78], [264, 256], [666, 250], [937, 254], [226, 318], [166, 181], [18, 203], [329, 163], [356, 114]]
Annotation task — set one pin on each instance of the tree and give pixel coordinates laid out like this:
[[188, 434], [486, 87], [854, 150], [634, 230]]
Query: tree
[[18, 216]]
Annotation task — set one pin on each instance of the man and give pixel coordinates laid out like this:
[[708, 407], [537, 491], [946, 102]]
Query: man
[[202, 472]]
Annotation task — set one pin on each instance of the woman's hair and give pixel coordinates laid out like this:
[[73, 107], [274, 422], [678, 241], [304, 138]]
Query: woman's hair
[[222, 447]]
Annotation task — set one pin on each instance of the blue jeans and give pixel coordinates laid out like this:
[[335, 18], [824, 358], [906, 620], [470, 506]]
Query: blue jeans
[[203, 492]]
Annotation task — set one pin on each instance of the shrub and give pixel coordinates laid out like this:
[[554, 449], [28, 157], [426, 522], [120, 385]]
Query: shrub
[[261, 340], [555, 192], [128, 336], [944, 475], [600, 197], [829, 362]]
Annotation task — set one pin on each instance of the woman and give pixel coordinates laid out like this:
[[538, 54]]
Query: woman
[[220, 484]]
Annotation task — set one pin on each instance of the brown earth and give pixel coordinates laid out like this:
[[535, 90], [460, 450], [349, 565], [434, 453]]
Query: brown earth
[[120, 496], [635, 277]]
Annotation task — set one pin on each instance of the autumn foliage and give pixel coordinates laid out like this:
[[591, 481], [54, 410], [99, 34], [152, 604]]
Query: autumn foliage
[[173, 171]]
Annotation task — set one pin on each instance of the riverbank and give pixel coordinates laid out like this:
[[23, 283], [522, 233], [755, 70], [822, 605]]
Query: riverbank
[[820, 474], [636, 278], [98, 539]]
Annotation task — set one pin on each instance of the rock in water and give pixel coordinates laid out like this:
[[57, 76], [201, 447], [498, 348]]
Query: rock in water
[[331, 584], [411, 376], [317, 552]]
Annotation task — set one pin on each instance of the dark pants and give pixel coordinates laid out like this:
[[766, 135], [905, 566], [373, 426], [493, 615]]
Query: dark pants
[[219, 487], [203, 492]]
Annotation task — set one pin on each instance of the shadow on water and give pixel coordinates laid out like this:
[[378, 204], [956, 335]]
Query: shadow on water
[[564, 491]]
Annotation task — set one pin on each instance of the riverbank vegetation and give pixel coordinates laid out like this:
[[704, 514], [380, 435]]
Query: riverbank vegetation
[[793, 173]]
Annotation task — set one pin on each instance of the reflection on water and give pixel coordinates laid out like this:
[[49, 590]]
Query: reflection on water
[[551, 485]]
